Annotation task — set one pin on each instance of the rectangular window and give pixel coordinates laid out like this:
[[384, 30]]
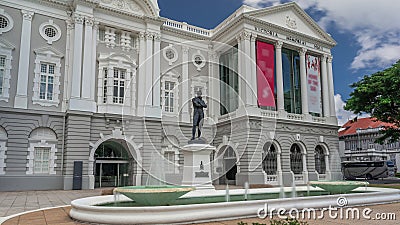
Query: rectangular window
[[41, 160], [291, 81], [119, 85], [229, 87], [2, 72], [46, 81], [105, 85], [117, 38], [102, 35], [133, 40], [169, 162], [169, 96]]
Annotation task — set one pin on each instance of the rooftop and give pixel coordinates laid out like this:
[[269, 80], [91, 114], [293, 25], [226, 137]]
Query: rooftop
[[369, 123]]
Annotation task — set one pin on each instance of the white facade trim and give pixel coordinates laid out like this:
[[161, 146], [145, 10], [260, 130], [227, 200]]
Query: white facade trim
[[171, 148], [198, 60], [6, 49], [174, 78], [47, 55], [3, 149], [10, 21], [46, 25], [167, 51], [31, 155], [110, 61]]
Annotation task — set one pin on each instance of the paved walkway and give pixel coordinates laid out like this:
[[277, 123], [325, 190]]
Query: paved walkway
[[17, 202]]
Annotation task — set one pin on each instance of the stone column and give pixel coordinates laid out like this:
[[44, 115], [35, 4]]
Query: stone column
[[279, 168], [94, 56], [303, 79], [325, 89], [241, 69], [279, 77], [213, 84], [253, 66], [87, 81], [331, 90], [186, 94], [247, 70], [149, 71], [68, 63], [77, 57], [21, 98], [156, 71], [141, 75]]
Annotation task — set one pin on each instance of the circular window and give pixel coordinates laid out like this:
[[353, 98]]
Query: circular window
[[3, 22], [198, 60], [170, 54], [50, 32], [6, 22]]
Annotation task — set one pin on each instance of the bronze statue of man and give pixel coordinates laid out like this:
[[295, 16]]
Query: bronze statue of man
[[198, 114]]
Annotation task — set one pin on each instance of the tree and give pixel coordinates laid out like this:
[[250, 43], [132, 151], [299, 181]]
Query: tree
[[379, 95]]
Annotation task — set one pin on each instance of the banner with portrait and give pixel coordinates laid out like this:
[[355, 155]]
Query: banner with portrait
[[265, 74], [313, 84]]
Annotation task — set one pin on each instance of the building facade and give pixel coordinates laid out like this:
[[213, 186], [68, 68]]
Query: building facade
[[357, 142], [109, 83]]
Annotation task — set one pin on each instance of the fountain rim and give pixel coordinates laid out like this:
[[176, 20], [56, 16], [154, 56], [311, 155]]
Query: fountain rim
[[154, 189], [362, 183]]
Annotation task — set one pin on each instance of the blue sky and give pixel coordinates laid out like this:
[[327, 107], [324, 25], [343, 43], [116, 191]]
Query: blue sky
[[367, 33]]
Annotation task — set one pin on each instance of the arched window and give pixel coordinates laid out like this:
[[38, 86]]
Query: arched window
[[270, 159], [296, 159], [41, 151], [3, 149], [320, 165]]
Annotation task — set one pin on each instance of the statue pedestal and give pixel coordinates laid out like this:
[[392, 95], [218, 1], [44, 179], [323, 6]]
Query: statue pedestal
[[197, 168]]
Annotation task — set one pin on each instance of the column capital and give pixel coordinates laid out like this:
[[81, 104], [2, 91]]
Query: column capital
[[70, 24], [141, 36], [330, 58], [96, 25], [27, 15], [89, 21], [157, 37], [253, 37], [78, 18], [324, 57], [148, 35], [278, 44], [185, 50], [246, 35], [302, 51]]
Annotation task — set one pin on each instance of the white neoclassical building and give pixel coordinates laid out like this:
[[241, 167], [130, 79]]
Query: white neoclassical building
[[93, 91]]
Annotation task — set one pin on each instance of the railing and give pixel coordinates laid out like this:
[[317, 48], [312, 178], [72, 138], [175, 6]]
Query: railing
[[321, 176], [270, 179], [298, 177], [318, 119], [292, 116], [187, 27], [268, 113]]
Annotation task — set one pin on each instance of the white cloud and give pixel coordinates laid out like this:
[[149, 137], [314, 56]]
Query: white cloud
[[342, 115], [374, 25]]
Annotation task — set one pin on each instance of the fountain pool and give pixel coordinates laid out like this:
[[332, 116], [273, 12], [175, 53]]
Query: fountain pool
[[103, 209]]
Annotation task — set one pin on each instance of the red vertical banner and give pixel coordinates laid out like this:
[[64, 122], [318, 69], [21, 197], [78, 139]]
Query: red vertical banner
[[265, 74]]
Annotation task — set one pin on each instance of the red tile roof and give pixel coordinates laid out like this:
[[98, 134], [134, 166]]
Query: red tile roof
[[351, 126]]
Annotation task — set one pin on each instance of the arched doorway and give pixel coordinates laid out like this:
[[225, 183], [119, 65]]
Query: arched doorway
[[114, 165], [229, 166]]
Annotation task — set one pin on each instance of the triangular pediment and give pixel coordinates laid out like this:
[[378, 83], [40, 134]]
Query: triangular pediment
[[139, 7], [292, 17], [6, 44], [48, 51]]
